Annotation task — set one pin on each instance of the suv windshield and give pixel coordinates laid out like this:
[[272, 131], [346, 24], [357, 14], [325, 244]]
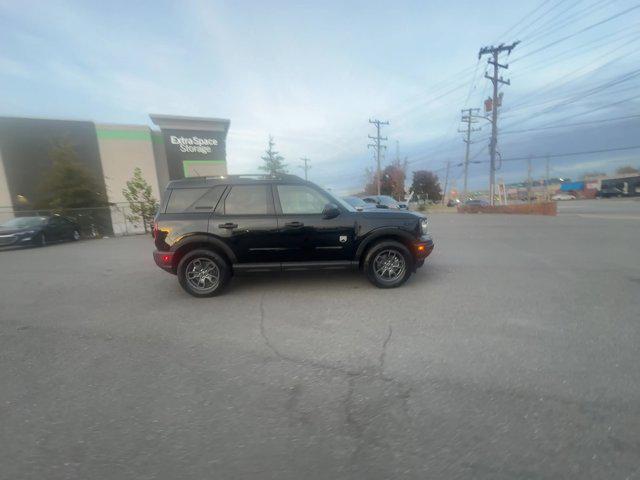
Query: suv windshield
[[339, 201]]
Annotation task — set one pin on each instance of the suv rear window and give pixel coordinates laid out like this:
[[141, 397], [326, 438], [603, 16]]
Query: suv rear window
[[188, 200]]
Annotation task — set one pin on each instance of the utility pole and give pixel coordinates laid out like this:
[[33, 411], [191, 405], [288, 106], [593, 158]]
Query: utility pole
[[529, 180], [306, 167], [446, 181], [377, 146], [546, 195], [495, 80], [468, 119]]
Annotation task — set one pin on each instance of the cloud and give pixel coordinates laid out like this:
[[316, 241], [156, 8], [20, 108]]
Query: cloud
[[14, 68]]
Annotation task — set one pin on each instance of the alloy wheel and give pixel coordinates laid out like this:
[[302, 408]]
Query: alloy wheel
[[389, 266], [202, 274]]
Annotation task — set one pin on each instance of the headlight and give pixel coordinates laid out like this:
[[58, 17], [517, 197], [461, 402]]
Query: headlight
[[28, 232], [424, 226]]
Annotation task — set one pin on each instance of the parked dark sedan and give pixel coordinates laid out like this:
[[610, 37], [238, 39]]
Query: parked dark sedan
[[383, 201], [478, 202], [38, 231], [359, 204]]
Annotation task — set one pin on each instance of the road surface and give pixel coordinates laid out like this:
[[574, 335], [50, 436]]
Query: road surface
[[512, 354]]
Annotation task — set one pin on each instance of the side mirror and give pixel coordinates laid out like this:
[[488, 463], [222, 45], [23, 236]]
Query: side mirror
[[330, 210]]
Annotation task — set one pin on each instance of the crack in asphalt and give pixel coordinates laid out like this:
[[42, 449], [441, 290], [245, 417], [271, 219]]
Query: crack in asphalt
[[356, 428], [373, 371], [383, 353], [297, 361]]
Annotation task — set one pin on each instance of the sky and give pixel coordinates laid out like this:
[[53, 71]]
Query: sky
[[312, 74]]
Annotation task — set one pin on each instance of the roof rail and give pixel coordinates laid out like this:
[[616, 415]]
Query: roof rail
[[255, 176]]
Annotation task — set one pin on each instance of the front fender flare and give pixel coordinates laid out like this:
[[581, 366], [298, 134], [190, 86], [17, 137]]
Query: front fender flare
[[381, 232]]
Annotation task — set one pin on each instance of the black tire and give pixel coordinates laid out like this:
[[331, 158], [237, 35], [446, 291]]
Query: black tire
[[42, 240], [75, 235], [391, 257], [203, 273]]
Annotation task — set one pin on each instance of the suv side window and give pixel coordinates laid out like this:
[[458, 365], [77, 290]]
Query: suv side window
[[300, 199], [189, 200], [247, 200]]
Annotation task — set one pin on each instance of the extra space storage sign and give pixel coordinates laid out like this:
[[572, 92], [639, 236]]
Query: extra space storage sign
[[192, 146]]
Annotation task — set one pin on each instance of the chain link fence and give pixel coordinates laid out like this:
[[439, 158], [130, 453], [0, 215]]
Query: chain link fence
[[97, 222]]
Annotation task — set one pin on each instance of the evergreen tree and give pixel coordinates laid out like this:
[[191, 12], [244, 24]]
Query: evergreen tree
[[69, 184], [273, 161]]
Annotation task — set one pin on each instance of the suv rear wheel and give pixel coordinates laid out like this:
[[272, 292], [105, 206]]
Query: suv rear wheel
[[203, 273], [388, 264]]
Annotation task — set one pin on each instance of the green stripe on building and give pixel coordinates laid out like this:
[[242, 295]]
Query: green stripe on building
[[108, 134]]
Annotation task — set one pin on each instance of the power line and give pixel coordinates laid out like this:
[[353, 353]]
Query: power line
[[582, 30], [570, 154], [576, 124], [535, 20], [527, 16], [558, 23]]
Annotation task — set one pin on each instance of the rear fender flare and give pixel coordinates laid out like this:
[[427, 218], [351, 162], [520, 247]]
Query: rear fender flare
[[206, 238]]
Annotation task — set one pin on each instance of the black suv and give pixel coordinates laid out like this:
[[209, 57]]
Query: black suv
[[210, 227]]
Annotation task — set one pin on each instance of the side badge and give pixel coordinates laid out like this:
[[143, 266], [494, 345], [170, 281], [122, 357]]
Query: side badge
[[343, 239]]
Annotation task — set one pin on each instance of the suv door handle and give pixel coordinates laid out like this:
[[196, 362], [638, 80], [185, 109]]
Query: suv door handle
[[294, 224], [228, 225]]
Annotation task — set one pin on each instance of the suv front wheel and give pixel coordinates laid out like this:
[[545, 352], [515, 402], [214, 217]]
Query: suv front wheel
[[388, 264], [203, 273]]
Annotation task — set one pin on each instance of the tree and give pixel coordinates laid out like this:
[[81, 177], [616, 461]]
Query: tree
[[626, 170], [593, 174], [392, 181], [273, 161], [69, 184], [370, 186], [142, 204], [426, 186]]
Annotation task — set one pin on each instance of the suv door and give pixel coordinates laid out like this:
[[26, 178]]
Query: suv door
[[245, 219], [305, 233]]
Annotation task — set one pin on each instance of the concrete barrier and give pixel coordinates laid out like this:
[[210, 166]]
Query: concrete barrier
[[545, 208]]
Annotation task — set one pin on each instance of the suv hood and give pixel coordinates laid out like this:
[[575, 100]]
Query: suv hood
[[383, 213]]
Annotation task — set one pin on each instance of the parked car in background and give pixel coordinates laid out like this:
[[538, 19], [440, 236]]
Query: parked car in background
[[38, 230], [563, 196], [478, 202], [453, 202], [383, 201], [359, 204]]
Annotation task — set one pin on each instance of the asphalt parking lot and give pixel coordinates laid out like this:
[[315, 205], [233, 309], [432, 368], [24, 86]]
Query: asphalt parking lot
[[513, 354]]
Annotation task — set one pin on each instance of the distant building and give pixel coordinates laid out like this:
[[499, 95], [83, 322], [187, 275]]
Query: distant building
[[177, 147]]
